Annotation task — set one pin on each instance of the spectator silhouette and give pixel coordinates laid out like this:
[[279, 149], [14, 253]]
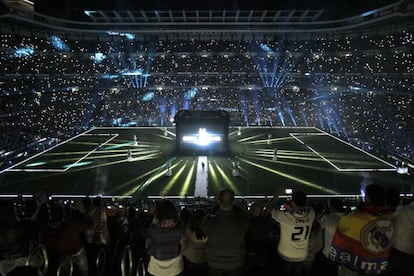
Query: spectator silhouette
[[226, 227], [258, 241], [194, 245], [163, 235]]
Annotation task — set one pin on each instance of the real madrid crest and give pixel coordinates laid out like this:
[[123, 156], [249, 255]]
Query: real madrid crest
[[376, 235]]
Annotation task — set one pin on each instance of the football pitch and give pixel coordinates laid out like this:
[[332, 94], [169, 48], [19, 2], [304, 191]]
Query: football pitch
[[142, 162]]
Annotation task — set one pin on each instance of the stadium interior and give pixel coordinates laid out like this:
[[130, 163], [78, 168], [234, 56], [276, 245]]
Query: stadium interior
[[120, 104], [340, 72]]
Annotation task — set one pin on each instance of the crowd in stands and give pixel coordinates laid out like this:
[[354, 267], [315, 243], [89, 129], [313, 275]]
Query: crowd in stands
[[279, 237], [355, 85]]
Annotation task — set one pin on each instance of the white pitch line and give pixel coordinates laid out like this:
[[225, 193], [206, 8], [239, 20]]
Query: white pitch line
[[49, 149], [326, 160], [367, 153], [83, 158], [70, 166], [340, 169]]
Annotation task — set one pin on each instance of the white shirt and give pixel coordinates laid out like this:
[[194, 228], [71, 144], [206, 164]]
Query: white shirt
[[295, 228], [169, 267], [329, 222], [403, 238]]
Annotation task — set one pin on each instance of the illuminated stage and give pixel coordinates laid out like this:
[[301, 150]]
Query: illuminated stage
[[202, 132]]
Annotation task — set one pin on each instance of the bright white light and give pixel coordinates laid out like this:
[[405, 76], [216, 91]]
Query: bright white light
[[402, 170], [137, 72], [203, 138]]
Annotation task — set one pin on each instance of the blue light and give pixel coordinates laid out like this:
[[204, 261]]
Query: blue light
[[266, 48], [148, 96], [35, 164], [109, 77], [23, 52], [368, 13], [59, 44], [191, 93], [354, 88], [98, 57], [282, 119], [137, 72], [79, 164], [129, 36]]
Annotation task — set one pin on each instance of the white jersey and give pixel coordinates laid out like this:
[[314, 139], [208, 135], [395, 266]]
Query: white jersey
[[329, 223], [295, 228], [403, 238]]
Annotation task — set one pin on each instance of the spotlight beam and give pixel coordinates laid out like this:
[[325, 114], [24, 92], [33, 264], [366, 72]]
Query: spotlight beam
[[249, 138], [292, 164], [187, 180], [133, 180], [213, 175], [226, 178], [264, 141], [141, 176], [141, 187], [288, 176], [174, 179]]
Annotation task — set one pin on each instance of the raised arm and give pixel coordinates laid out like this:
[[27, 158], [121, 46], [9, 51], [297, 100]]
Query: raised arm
[[272, 202]]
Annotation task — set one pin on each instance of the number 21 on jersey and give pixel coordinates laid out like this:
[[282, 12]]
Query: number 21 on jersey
[[301, 233]]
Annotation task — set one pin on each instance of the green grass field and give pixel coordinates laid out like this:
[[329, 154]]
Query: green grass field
[[96, 162]]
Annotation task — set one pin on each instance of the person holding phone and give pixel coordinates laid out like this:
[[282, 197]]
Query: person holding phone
[[295, 221]]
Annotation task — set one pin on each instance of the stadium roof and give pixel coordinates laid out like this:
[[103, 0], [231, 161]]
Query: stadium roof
[[170, 10], [229, 20]]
